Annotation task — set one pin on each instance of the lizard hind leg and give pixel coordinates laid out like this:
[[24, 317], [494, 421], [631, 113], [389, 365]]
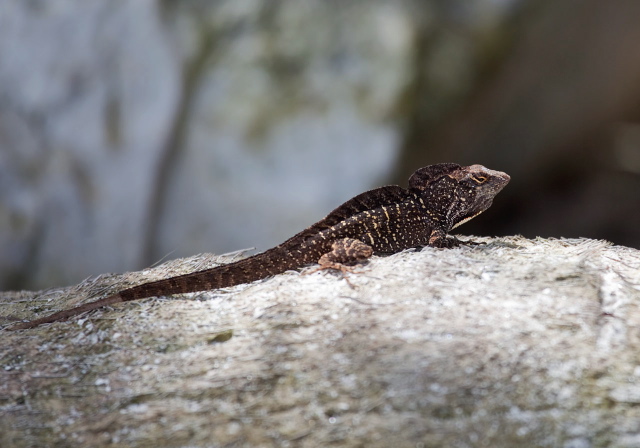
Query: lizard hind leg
[[344, 254]]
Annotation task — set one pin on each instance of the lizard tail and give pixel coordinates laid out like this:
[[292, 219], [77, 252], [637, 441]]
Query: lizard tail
[[66, 314], [243, 271]]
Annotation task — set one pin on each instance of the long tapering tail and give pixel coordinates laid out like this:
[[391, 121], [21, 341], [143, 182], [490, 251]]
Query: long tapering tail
[[66, 314], [248, 270]]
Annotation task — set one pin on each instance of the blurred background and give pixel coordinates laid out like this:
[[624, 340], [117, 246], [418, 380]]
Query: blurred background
[[136, 130]]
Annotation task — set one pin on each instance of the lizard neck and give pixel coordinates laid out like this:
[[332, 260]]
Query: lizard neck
[[436, 211]]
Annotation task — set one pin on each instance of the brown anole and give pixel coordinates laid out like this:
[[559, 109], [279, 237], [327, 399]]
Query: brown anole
[[385, 220]]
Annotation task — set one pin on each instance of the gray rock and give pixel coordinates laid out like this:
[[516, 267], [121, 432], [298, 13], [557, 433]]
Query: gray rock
[[517, 342]]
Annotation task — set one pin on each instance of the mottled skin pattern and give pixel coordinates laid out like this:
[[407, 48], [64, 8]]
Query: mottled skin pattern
[[385, 220]]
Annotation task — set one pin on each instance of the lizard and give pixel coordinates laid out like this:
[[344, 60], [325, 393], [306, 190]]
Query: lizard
[[385, 220]]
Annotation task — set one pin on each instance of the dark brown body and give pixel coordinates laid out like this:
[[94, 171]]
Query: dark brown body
[[385, 220]]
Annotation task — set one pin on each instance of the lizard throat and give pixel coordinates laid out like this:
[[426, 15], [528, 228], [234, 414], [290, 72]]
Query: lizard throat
[[466, 220]]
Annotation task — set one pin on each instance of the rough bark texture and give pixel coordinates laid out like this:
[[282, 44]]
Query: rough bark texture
[[518, 342]]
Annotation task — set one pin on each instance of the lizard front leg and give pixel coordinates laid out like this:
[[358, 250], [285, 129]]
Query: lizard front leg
[[439, 238]]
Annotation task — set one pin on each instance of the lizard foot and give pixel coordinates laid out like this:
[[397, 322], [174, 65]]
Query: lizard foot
[[441, 240], [339, 267]]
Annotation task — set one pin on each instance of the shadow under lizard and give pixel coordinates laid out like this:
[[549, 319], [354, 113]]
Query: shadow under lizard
[[384, 220]]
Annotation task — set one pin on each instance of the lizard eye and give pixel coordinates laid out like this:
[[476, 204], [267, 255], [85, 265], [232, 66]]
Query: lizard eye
[[479, 179]]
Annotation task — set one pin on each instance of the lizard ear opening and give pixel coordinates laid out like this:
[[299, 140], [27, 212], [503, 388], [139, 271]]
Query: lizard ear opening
[[422, 177]]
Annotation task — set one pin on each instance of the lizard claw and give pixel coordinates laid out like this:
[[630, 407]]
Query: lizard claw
[[339, 267]]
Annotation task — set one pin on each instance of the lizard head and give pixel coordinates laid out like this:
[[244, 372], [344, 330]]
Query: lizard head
[[454, 194]]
